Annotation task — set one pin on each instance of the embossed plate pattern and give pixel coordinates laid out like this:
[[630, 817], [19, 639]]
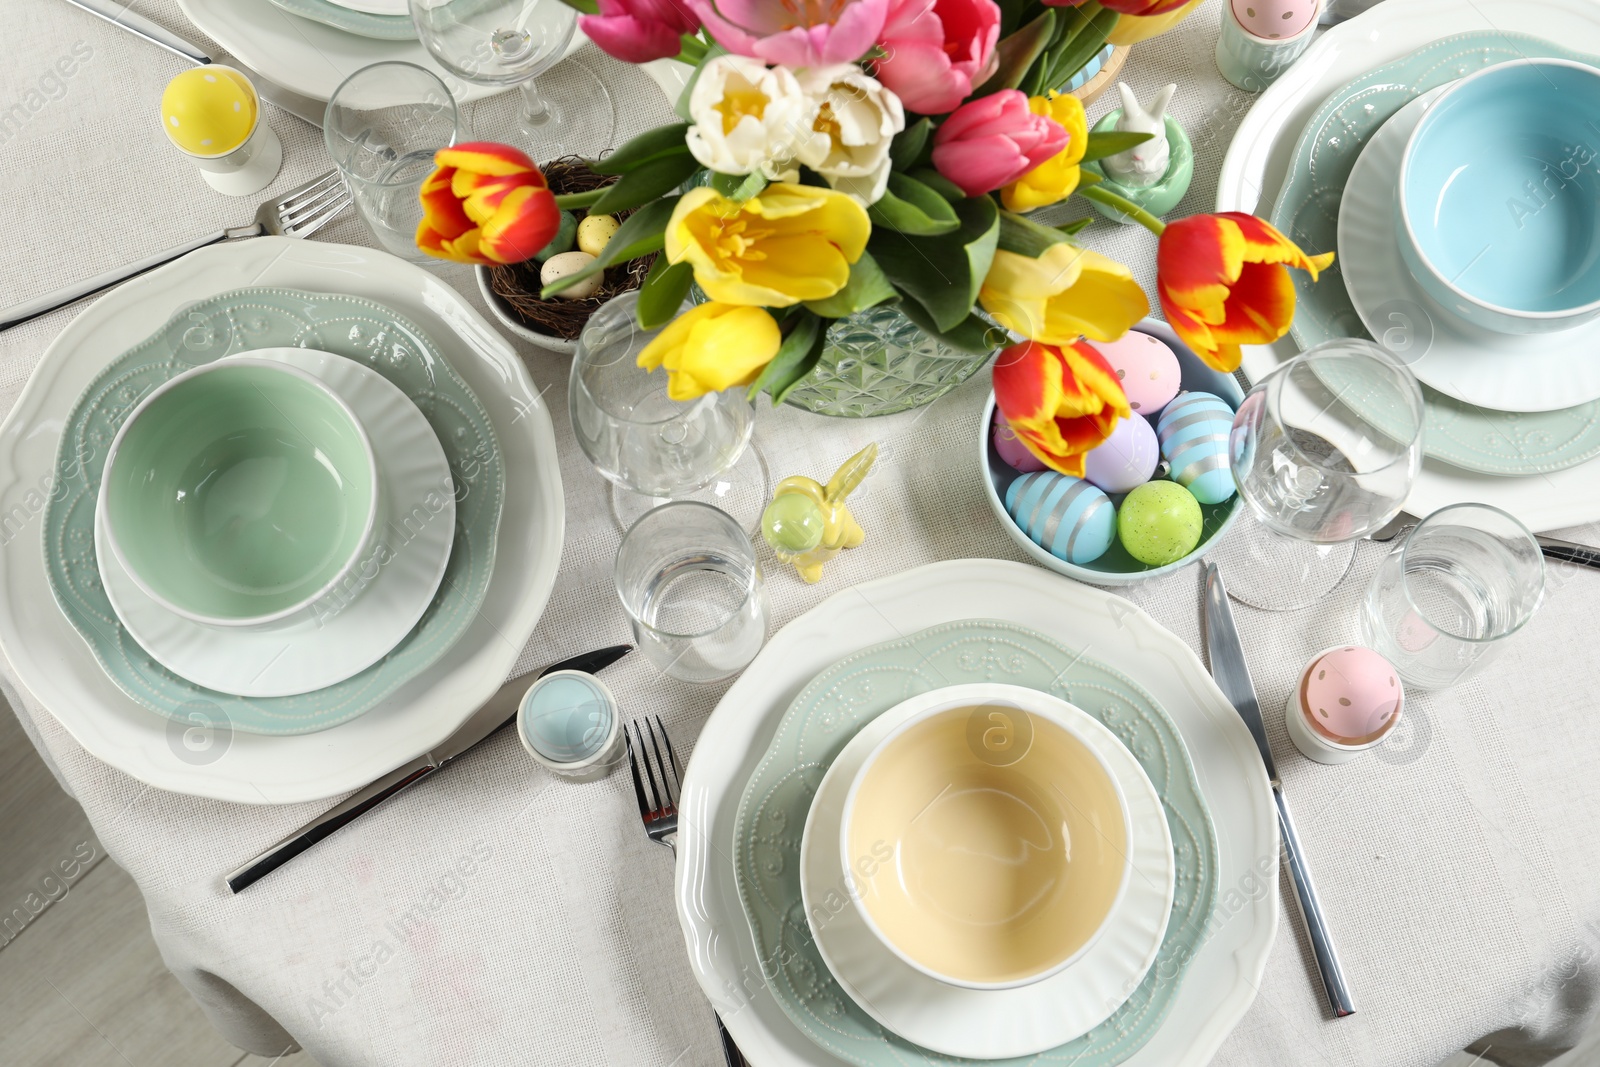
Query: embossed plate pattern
[[240, 321], [830, 711], [1473, 438]]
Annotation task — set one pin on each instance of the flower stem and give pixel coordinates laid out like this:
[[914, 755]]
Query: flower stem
[[1101, 195], [572, 200]]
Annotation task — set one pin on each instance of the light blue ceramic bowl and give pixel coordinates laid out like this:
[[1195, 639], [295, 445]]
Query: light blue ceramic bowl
[[1499, 206]]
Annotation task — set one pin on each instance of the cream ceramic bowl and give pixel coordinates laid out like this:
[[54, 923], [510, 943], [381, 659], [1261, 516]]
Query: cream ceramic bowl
[[985, 840]]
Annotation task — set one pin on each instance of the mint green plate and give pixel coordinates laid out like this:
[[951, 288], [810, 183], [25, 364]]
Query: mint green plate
[[360, 23], [823, 719], [1512, 444], [241, 321]]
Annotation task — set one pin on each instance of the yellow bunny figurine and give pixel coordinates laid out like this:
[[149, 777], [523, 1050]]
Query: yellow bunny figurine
[[807, 523]]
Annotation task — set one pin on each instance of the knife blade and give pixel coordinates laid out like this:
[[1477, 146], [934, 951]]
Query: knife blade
[[1232, 676], [119, 14], [498, 712]]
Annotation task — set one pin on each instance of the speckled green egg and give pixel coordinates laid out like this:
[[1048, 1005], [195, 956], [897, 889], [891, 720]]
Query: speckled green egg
[[1160, 523], [563, 240]]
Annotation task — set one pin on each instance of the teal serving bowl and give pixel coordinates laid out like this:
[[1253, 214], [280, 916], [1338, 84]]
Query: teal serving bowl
[[1117, 567], [1499, 205], [240, 494]]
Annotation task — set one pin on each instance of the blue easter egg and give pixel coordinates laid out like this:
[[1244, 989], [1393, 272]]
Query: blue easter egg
[[1065, 516], [1193, 431]]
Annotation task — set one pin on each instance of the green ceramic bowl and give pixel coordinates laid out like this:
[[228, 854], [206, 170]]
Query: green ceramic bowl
[[240, 493]]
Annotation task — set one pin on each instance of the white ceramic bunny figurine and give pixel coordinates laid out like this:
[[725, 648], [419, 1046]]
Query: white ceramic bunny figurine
[[1143, 164]]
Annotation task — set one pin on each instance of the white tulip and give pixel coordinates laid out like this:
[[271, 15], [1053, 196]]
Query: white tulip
[[853, 120], [747, 117]]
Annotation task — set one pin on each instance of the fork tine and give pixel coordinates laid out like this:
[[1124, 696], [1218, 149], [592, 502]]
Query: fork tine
[[652, 768], [633, 765], [312, 225], [320, 182], [311, 205], [668, 795], [676, 782]]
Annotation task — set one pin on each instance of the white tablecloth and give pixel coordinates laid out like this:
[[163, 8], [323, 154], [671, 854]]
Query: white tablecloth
[[496, 915]]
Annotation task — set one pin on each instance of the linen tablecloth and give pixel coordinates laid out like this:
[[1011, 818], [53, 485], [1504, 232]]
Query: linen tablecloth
[[496, 915]]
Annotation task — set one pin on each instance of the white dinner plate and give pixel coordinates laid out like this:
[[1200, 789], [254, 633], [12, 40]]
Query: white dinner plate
[[1263, 147], [402, 8], [1547, 372], [57, 668], [998, 1023], [1222, 977], [379, 606]]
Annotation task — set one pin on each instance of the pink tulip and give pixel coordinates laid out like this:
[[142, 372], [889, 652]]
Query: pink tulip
[[637, 31], [938, 51], [993, 141], [795, 33]]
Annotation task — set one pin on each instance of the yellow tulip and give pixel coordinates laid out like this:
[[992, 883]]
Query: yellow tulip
[[786, 244], [1065, 293], [1057, 177], [712, 347]]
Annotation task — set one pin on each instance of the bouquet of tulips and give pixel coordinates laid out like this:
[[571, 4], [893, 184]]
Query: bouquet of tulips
[[839, 154]]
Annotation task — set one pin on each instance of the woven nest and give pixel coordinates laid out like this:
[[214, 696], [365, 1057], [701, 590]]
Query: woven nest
[[518, 285]]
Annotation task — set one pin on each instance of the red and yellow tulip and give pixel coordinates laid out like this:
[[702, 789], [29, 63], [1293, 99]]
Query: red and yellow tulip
[[486, 203], [1061, 401], [1224, 282]]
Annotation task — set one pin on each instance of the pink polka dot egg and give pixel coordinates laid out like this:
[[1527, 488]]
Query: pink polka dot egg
[[1274, 19], [1148, 370], [1351, 695]]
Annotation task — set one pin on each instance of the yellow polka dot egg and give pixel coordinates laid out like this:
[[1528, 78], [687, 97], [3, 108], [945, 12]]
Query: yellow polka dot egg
[[209, 111]]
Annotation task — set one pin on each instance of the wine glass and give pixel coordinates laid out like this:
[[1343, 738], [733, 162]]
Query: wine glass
[[652, 448], [511, 42], [1324, 450]]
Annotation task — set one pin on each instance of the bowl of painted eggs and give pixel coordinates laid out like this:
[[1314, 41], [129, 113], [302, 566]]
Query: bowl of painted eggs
[[1155, 495]]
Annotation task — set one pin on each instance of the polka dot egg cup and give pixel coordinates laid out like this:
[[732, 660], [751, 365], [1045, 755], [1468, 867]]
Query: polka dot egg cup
[[1116, 567], [1347, 701], [212, 114]]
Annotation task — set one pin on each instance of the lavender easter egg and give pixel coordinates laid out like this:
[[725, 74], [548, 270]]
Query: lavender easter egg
[[1009, 447], [1125, 459], [1160, 523], [1274, 19], [1193, 431], [1351, 694], [1065, 516], [1147, 368]]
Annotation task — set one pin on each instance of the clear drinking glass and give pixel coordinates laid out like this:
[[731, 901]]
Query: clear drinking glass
[[1324, 450], [382, 127], [651, 447], [688, 577], [1446, 598], [511, 42]]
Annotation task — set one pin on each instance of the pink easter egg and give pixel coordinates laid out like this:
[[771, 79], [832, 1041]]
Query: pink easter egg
[[1351, 695], [1274, 19], [1126, 459], [1148, 370], [1013, 451]]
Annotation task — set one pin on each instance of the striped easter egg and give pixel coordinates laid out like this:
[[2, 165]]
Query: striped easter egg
[[1065, 516], [1193, 431]]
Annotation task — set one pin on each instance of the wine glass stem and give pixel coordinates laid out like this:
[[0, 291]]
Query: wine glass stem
[[537, 111]]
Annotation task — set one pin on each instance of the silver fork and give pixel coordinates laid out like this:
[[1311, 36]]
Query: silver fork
[[298, 213], [656, 785], [1552, 547]]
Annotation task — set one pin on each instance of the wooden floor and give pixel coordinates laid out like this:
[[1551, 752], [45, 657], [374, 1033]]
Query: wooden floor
[[81, 983]]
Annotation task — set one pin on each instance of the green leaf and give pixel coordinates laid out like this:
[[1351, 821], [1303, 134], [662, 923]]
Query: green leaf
[[801, 348], [939, 184], [866, 288], [640, 234], [650, 180], [943, 272], [908, 206], [738, 186], [1085, 43], [652, 144], [583, 7], [1026, 237], [1018, 52], [906, 150], [1076, 226], [1110, 142], [663, 292], [971, 334], [1124, 206]]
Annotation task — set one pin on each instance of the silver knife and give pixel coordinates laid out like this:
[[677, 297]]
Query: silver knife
[[1233, 678], [118, 13], [499, 711]]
